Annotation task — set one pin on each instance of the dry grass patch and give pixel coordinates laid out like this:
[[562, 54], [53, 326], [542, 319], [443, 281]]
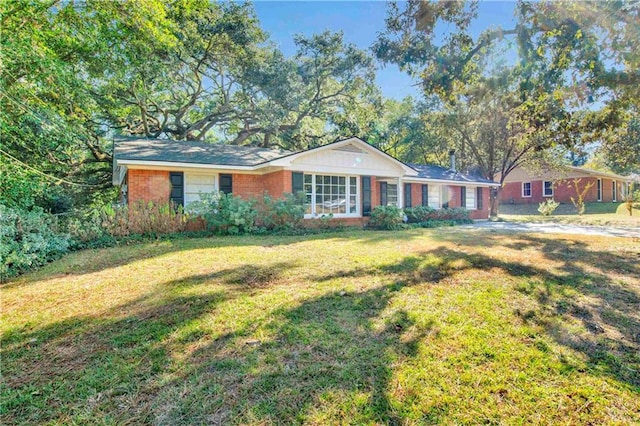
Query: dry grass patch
[[424, 326]]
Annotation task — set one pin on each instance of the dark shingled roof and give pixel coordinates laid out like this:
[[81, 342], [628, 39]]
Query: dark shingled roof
[[428, 171], [193, 152]]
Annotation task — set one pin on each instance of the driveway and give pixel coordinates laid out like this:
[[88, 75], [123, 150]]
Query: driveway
[[557, 228]]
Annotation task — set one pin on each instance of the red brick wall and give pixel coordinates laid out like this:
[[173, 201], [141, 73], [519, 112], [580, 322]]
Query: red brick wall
[[486, 204], [247, 186], [277, 183], [416, 194], [148, 185], [562, 192]]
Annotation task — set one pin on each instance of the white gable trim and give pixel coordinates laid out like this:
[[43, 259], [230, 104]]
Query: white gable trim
[[350, 143]]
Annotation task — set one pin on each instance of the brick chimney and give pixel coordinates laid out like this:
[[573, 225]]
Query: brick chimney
[[452, 160]]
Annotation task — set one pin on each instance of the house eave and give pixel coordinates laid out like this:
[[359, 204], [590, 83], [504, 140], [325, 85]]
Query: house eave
[[450, 182]]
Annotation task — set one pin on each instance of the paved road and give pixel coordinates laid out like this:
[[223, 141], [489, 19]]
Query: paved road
[[556, 228]]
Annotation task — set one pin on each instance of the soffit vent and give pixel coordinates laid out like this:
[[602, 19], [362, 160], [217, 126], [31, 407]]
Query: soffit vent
[[349, 148]]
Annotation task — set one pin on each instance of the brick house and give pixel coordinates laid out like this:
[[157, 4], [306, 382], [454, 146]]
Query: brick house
[[346, 178], [524, 187]]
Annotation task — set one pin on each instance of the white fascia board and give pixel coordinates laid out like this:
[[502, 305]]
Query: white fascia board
[[450, 182], [170, 165], [333, 170], [601, 174]]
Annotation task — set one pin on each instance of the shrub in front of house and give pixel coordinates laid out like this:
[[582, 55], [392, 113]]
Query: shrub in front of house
[[422, 214], [547, 207], [419, 214], [386, 217], [29, 238], [231, 215], [143, 218], [281, 214]]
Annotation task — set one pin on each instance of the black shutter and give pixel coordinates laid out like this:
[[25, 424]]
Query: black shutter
[[177, 188], [407, 195], [226, 184], [383, 194], [366, 195], [425, 195], [479, 198], [463, 196], [297, 182]]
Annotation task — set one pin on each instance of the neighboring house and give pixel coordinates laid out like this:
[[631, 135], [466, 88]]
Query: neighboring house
[[524, 187], [347, 178]]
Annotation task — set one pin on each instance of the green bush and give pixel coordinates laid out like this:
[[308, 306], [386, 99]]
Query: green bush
[[386, 217], [281, 214], [422, 214], [547, 207], [226, 213], [419, 214], [28, 239], [458, 214]]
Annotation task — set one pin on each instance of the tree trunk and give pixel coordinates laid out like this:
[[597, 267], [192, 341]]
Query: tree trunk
[[495, 202]]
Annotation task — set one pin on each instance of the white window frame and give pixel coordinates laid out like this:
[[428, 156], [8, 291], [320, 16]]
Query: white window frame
[[397, 194], [434, 194], [470, 192], [614, 188], [544, 188], [530, 190], [358, 212], [188, 175], [599, 189]]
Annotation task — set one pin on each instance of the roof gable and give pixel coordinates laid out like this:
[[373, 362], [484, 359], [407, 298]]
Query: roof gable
[[354, 154]]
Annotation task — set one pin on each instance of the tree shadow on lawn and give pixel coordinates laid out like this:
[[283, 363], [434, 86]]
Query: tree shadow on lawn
[[89, 365], [330, 357], [327, 361], [608, 309], [319, 354], [96, 260]]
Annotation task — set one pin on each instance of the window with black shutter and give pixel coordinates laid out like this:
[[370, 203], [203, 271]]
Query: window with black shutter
[[407, 195], [366, 195], [463, 196], [383, 194], [226, 184], [177, 188], [425, 195], [479, 198]]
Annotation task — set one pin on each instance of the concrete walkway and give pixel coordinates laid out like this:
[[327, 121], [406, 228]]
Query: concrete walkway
[[557, 228]]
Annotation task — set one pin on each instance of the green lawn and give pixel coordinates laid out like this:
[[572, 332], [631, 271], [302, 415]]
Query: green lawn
[[596, 214], [413, 327]]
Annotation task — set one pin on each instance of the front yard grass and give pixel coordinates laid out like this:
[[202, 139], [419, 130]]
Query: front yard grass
[[596, 214], [415, 327]]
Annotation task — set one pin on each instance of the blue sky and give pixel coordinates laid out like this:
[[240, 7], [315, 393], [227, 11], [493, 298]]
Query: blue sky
[[360, 21]]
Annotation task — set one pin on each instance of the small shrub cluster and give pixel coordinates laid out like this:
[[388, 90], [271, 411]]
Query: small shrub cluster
[[29, 239], [547, 207], [229, 215], [281, 214], [422, 214], [392, 217], [386, 217]]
